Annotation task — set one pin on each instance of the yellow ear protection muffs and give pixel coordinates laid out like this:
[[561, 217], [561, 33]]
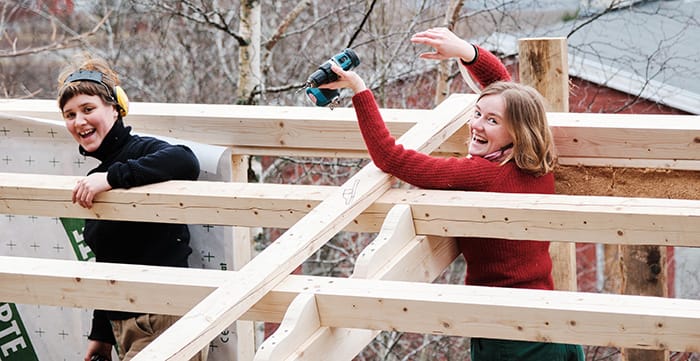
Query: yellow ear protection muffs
[[117, 93]]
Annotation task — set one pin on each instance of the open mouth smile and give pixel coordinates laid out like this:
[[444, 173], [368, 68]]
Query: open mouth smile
[[86, 133], [478, 139]]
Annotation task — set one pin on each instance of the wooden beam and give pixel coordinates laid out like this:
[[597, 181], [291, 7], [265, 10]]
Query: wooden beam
[[457, 310], [544, 66], [396, 232], [226, 304], [272, 129], [242, 246], [629, 140], [628, 137], [299, 324], [518, 314], [568, 218], [396, 253], [644, 272]]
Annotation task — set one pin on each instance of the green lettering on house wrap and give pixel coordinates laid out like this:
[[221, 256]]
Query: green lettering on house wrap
[[74, 229], [15, 344]]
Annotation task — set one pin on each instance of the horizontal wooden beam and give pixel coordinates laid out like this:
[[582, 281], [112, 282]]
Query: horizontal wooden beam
[[623, 140], [456, 310], [254, 130], [568, 218], [627, 136]]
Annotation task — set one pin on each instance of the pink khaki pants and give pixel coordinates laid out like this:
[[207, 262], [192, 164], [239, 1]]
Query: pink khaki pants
[[134, 334]]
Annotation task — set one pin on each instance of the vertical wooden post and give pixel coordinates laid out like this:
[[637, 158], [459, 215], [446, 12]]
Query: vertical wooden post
[[644, 273], [242, 254], [544, 66]]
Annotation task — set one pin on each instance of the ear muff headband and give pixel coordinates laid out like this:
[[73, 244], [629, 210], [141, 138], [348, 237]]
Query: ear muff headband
[[117, 93], [122, 100]]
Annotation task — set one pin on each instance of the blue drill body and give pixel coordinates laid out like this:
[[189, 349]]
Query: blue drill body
[[347, 60]]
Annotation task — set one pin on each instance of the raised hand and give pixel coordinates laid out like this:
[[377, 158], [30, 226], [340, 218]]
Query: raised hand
[[446, 44]]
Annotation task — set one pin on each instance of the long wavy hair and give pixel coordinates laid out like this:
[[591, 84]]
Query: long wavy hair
[[533, 143]]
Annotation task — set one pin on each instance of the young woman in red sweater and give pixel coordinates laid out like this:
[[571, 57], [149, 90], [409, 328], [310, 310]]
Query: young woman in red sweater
[[511, 150]]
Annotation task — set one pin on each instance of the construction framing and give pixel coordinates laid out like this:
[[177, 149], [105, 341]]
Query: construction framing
[[390, 288]]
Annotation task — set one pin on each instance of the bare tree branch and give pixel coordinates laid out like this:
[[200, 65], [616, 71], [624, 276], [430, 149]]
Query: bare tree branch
[[362, 23], [67, 43], [211, 18], [288, 20]]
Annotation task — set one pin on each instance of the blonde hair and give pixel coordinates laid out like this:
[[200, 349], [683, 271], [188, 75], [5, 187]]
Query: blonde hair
[[533, 143], [104, 90]]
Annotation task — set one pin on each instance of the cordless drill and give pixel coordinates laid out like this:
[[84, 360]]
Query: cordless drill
[[347, 60]]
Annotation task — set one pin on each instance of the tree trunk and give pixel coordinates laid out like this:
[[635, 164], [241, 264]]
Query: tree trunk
[[249, 77]]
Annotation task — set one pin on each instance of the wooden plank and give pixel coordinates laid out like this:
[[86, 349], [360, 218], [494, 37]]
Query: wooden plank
[[672, 164], [627, 136], [569, 218], [261, 274], [518, 314], [632, 140], [275, 127], [395, 253], [423, 259], [644, 272], [397, 230], [544, 66], [616, 220], [132, 288], [242, 253], [299, 324], [558, 316]]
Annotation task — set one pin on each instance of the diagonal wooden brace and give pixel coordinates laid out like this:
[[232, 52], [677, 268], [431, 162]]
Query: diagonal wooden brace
[[395, 254], [226, 304]]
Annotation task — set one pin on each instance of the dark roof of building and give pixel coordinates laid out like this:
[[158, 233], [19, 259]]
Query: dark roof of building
[[648, 49]]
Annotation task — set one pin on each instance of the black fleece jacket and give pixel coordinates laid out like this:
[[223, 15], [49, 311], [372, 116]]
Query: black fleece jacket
[[131, 161]]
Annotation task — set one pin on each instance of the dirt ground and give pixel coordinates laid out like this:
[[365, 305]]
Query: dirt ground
[[627, 182]]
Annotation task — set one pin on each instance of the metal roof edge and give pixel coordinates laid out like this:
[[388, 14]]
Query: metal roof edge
[[606, 75], [633, 84]]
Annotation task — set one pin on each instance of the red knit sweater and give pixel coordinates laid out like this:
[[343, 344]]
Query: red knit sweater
[[490, 262]]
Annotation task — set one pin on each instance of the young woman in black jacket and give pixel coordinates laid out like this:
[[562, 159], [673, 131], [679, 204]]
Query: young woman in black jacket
[[93, 105]]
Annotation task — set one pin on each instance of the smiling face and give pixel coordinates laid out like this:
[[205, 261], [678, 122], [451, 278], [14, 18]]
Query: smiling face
[[88, 118], [489, 130]]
